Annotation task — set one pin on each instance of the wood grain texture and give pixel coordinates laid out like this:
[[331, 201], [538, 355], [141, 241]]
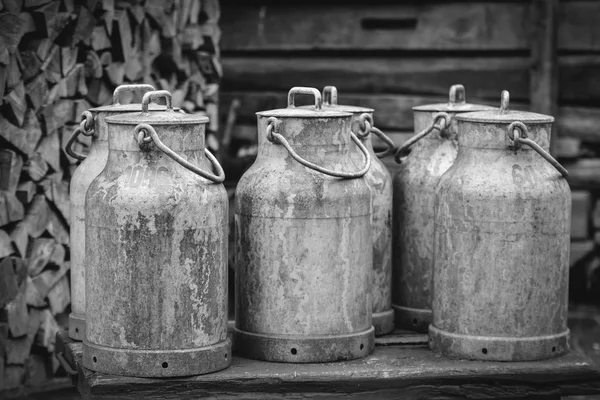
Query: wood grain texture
[[392, 372], [425, 25]]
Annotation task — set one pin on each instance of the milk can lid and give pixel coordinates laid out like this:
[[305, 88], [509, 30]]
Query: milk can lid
[[456, 103], [504, 115], [168, 116], [117, 107], [315, 111], [330, 101]]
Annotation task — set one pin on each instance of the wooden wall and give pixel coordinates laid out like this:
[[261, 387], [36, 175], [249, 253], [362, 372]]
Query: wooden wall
[[393, 55]]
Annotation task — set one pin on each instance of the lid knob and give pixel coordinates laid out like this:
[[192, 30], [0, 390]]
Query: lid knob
[[149, 96], [457, 94], [330, 95], [504, 100], [304, 90], [130, 88]]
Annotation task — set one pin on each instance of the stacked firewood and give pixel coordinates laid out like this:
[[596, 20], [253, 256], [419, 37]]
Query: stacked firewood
[[57, 59]]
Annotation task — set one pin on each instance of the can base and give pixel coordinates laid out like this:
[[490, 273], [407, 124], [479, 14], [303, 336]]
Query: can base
[[412, 319], [383, 322], [494, 348], [304, 349], [77, 326], [157, 363]]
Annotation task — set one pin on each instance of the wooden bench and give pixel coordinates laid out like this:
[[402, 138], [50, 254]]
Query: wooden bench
[[401, 367]]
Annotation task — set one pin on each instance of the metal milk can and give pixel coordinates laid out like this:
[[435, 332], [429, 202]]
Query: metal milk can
[[93, 124], [433, 150], [156, 250], [380, 181], [303, 240], [502, 230]]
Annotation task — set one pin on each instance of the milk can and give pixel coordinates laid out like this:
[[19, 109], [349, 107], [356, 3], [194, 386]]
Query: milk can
[[433, 150], [156, 250], [94, 125], [502, 230], [303, 240], [380, 181]]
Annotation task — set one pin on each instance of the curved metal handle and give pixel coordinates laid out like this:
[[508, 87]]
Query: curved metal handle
[[366, 126], [148, 97], [330, 95], [517, 133], [304, 90], [130, 88], [140, 135], [457, 94], [273, 135], [86, 128], [65, 364], [403, 150]]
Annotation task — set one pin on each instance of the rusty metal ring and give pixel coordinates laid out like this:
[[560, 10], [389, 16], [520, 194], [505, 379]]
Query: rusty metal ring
[[273, 125], [69, 145], [365, 124], [87, 123]]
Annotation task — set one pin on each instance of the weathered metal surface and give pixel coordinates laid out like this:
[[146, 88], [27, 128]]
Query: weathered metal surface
[[502, 223], [156, 251], [380, 182], [413, 200], [83, 176], [303, 243]]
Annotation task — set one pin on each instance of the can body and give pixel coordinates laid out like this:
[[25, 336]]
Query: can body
[[83, 176], [414, 192], [502, 223], [379, 180], [156, 250], [303, 249]]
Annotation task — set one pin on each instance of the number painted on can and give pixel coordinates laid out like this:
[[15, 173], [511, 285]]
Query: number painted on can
[[139, 176], [523, 176]]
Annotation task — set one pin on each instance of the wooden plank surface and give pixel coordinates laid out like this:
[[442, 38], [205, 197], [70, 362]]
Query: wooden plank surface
[[299, 26], [391, 372]]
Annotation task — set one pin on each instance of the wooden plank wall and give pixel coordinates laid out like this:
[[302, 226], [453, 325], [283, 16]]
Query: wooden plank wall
[[393, 55]]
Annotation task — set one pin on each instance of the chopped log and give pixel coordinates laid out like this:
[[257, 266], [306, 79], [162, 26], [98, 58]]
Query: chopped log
[[58, 114], [100, 39], [18, 349], [13, 6], [68, 58], [138, 13], [36, 167], [49, 21], [121, 37], [28, 22], [17, 104], [68, 5], [79, 106], [41, 251], [13, 77], [47, 333], [93, 64], [35, 3], [82, 29], [9, 288], [116, 73], [11, 165], [33, 297], [37, 92], [36, 217], [20, 238], [6, 248], [11, 209], [32, 65], [3, 76], [25, 138], [156, 10], [12, 29], [195, 7], [51, 65], [99, 93], [58, 193], [17, 313], [57, 228], [45, 281], [59, 296], [25, 192], [49, 150], [14, 376]]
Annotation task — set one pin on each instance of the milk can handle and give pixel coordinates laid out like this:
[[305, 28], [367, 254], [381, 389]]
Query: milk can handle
[[366, 126], [304, 90], [274, 137], [445, 121], [330, 95], [148, 97], [140, 135], [517, 133], [86, 127], [130, 88]]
